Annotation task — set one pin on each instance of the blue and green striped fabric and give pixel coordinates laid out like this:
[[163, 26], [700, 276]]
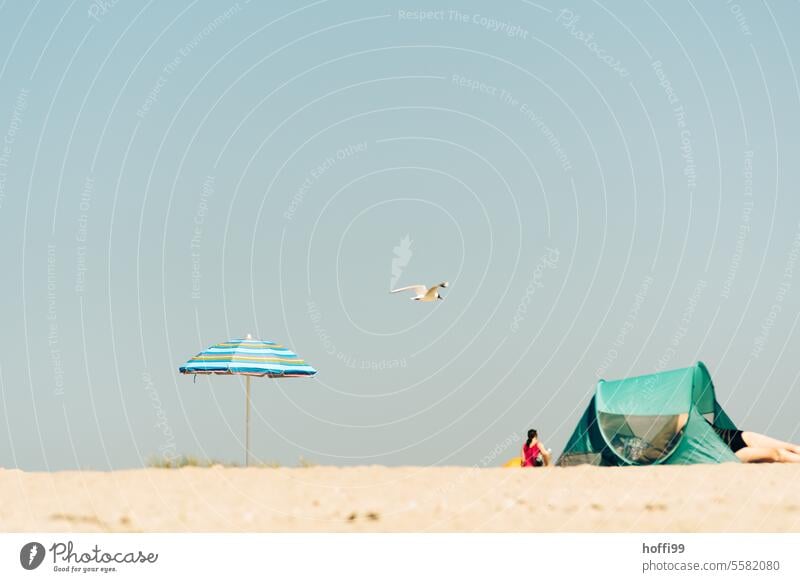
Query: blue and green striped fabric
[[248, 356]]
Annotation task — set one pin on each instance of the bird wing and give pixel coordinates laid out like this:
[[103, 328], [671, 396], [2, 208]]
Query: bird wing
[[432, 292], [418, 289]]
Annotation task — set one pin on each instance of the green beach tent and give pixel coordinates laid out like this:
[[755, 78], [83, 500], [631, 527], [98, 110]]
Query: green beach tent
[[649, 420]]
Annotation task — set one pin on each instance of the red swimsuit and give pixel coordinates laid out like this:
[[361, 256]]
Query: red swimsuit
[[530, 454]]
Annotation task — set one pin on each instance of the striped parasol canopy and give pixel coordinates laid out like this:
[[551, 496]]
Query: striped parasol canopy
[[248, 357], [253, 357]]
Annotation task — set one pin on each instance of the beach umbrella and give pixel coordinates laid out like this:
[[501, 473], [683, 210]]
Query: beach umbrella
[[248, 357]]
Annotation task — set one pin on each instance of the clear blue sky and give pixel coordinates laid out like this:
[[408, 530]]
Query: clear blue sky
[[610, 188]]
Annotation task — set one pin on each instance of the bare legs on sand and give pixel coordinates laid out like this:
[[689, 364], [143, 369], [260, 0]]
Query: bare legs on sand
[[763, 449]]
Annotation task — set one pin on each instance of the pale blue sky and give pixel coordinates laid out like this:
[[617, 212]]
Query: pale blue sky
[[611, 189]]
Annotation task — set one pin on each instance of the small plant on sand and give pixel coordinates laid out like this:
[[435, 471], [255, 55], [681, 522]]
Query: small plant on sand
[[161, 462], [305, 463], [184, 461]]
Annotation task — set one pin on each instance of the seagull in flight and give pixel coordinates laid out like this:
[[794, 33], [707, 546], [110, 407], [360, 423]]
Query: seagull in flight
[[423, 293]]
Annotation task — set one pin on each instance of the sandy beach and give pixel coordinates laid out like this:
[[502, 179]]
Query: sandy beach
[[702, 498]]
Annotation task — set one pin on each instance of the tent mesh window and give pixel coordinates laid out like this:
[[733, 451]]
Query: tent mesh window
[[641, 440]]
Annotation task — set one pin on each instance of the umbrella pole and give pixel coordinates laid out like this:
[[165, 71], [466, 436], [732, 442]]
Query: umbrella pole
[[247, 426]]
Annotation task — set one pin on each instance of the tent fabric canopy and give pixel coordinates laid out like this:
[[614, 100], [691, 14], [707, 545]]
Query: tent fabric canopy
[[658, 418], [654, 394]]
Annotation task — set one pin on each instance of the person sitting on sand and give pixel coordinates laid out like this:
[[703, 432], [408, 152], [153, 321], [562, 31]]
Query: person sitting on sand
[[534, 453], [752, 447]]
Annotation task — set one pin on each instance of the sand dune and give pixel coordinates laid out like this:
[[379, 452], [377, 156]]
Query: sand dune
[[763, 498]]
